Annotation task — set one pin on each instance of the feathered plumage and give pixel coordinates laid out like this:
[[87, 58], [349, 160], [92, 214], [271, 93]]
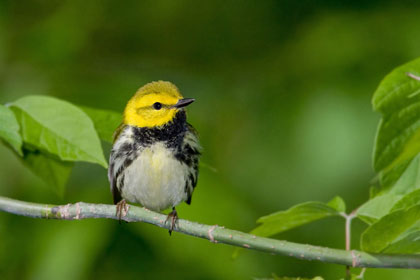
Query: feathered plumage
[[155, 165]]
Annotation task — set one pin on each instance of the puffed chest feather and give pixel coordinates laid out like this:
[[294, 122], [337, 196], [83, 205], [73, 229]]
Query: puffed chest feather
[[156, 167], [155, 179]]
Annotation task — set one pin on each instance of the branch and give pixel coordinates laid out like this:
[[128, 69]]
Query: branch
[[215, 233]]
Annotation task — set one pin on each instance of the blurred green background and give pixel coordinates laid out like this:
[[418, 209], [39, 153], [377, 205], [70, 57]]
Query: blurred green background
[[283, 93]]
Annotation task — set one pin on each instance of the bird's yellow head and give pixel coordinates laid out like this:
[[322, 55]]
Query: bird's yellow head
[[154, 104]]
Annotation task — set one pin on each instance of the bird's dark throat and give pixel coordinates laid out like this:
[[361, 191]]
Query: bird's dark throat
[[171, 133]]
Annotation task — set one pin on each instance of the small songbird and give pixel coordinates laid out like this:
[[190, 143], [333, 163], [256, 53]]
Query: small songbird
[[155, 155]]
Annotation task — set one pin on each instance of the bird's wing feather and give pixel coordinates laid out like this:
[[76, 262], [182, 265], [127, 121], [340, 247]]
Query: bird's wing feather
[[192, 150], [113, 179], [116, 162]]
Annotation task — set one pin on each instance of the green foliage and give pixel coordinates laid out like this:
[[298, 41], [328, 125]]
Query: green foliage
[[53, 171], [407, 243], [394, 212], [9, 129], [383, 203], [50, 135], [338, 204], [298, 215], [398, 136], [105, 122], [389, 229], [59, 128], [395, 229], [377, 207], [407, 201]]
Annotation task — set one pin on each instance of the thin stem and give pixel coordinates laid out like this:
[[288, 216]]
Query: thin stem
[[214, 233], [362, 274], [411, 75], [348, 219]]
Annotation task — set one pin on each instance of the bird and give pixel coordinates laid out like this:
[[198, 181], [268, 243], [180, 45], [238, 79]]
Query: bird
[[155, 153]]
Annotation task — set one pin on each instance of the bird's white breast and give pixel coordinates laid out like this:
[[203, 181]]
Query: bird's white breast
[[155, 179]]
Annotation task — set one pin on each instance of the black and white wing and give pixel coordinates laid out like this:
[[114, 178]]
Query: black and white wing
[[189, 153], [122, 155]]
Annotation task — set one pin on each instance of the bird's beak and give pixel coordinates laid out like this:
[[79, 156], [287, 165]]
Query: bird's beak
[[183, 102]]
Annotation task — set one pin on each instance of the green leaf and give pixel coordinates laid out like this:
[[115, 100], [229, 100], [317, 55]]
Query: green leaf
[[390, 176], [377, 207], [9, 129], [58, 127], [409, 179], [338, 204], [398, 136], [54, 172], [383, 204], [407, 201], [397, 86], [374, 191], [409, 243], [105, 121], [296, 216], [389, 229]]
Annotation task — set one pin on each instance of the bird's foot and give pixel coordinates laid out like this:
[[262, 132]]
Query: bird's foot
[[122, 209], [173, 216]]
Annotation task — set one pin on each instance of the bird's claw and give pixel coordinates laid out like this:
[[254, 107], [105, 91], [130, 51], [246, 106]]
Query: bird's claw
[[121, 209], [173, 216]]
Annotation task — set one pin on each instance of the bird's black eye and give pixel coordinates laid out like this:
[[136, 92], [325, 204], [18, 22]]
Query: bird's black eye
[[157, 106]]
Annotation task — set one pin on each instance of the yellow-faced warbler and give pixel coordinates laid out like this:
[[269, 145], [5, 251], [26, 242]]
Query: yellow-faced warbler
[[154, 158]]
